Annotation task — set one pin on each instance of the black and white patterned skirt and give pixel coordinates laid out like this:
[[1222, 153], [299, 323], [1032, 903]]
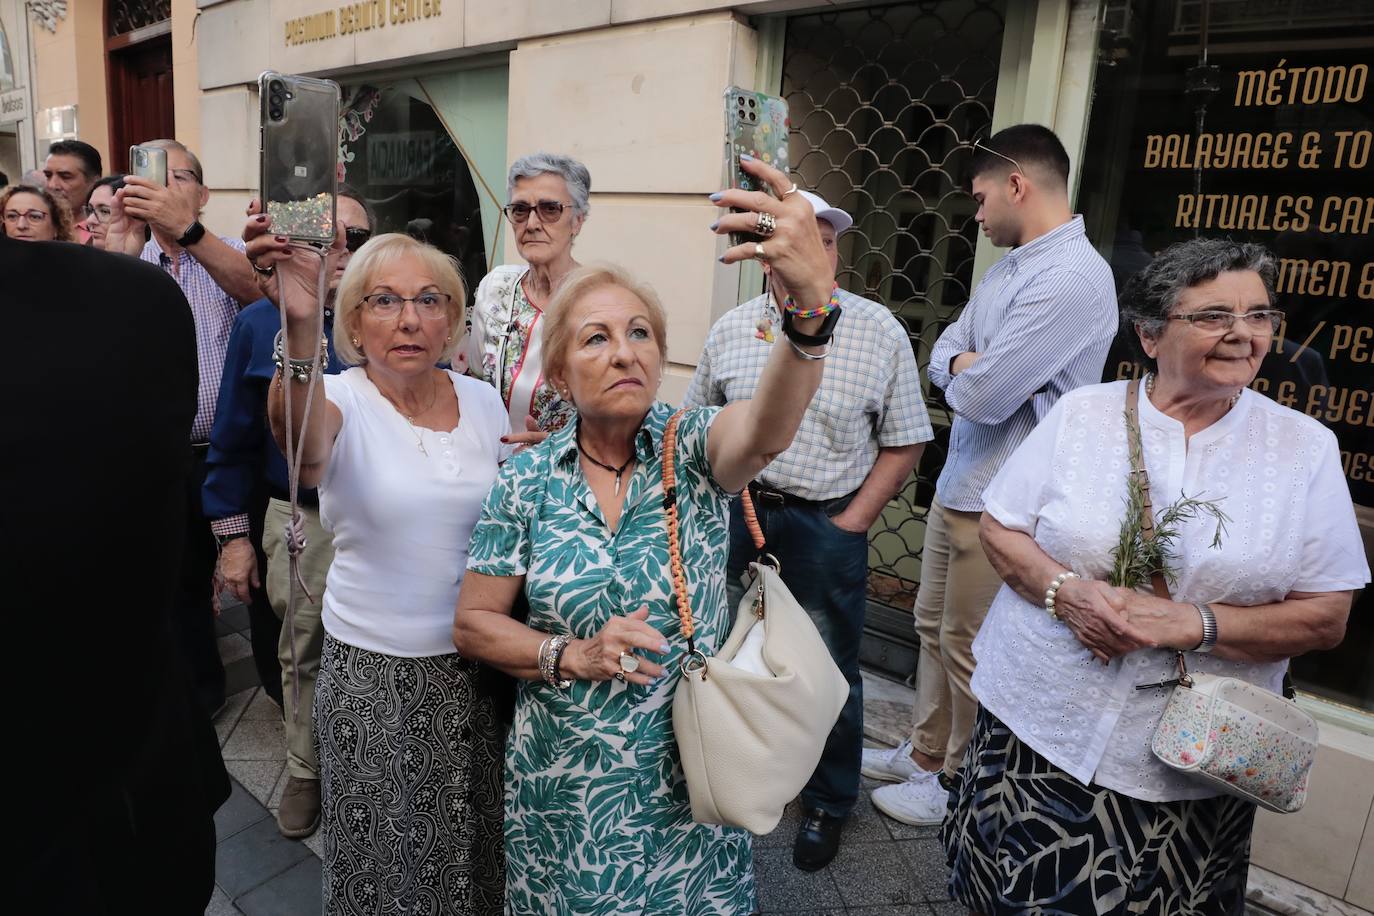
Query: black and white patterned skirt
[[411, 766], [1023, 836]]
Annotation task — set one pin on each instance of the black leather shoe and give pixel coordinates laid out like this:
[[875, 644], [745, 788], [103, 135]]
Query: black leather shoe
[[818, 839]]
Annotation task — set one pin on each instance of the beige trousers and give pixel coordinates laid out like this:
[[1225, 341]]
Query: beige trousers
[[957, 587], [305, 636]]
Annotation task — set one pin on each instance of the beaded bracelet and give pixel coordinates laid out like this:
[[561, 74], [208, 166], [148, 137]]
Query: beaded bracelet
[[300, 369], [1053, 590], [550, 655], [790, 305]]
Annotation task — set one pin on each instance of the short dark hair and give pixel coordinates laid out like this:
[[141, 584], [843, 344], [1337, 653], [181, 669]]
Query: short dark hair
[[1030, 145], [1151, 294], [113, 182], [4, 180], [89, 155], [352, 193]]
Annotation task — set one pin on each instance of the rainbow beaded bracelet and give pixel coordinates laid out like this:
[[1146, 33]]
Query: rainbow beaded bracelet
[[790, 305]]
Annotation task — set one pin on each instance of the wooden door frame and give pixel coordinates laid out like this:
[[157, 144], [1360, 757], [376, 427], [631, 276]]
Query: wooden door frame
[[113, 45]]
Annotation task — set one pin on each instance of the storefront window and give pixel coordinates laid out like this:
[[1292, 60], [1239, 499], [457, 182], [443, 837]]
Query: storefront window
[[396, 148], [1254, 120]]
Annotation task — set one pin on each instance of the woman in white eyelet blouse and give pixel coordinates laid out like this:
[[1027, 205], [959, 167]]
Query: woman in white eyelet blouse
[[1060, 803]]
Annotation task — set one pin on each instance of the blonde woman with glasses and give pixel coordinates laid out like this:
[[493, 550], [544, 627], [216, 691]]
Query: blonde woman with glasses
[[403, 454]]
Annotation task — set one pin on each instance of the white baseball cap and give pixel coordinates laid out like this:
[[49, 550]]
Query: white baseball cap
[[832, 215]]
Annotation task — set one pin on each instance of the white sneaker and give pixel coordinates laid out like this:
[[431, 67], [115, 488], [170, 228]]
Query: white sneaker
[[920, 801], [893, 765]]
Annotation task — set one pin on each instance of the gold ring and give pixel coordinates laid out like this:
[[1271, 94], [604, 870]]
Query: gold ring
[[791, 190], [758, 251]]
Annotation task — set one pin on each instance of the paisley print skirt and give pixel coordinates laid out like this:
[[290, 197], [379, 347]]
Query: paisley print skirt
[[1023, 836], [411, 784]]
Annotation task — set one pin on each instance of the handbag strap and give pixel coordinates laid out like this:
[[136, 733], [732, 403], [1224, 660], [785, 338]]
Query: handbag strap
[[684, 603], [1147, 509]]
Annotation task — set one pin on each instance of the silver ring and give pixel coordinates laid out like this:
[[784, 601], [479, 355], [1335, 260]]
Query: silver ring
[[758, 251], [766, 225], [264, 271], [791, 190], [629, 662]]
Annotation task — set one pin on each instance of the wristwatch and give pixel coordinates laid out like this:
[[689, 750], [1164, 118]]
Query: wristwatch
[[222, 539], [194, 233], [822, 335]]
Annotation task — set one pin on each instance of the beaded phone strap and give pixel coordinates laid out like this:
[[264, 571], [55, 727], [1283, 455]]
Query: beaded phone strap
[[684, 603]]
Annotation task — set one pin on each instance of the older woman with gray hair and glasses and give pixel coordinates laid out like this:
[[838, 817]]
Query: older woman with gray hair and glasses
[[548, 205], [1060, 806]]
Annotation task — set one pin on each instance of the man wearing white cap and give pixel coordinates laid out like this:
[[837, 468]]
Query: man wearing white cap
[[858, 442]]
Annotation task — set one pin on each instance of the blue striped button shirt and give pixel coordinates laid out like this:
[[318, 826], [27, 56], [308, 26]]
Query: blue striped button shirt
[[1041, 321], [870, 394]]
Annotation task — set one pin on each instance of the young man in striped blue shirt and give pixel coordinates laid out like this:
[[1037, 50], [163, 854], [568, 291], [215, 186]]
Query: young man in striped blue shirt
[[1038, 325]]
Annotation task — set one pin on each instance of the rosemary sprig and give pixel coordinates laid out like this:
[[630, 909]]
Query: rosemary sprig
[[1135, 561]]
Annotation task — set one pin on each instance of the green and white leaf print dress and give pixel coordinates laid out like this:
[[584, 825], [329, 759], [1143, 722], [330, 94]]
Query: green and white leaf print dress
[[597, 815]]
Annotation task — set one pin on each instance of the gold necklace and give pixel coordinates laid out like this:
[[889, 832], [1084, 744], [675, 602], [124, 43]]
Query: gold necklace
[[1150, 391], [419, 440]]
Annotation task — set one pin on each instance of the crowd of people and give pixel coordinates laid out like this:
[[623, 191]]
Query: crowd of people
[[478, 668]]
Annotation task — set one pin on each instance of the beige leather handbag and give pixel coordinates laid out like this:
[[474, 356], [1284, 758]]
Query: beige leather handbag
[[751, 721]]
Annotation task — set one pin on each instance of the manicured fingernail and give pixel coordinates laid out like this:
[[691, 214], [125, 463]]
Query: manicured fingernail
[[505, 439], [717, 196], [714, 225], [721, 259], [745, 157], [261, 219], [281, 239], [663, 649]]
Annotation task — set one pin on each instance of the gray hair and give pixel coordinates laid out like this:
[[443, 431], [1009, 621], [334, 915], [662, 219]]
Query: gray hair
[[1151, 294], [573, 173]]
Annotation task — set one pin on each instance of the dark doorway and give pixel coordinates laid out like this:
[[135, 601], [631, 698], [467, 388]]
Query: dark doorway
[[139, 58]]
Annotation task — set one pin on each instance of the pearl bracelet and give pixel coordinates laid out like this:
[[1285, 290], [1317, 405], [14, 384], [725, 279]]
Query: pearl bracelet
[[1053, 590]]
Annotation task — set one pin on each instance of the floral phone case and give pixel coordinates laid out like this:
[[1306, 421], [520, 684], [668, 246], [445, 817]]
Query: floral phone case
[[755, 124]]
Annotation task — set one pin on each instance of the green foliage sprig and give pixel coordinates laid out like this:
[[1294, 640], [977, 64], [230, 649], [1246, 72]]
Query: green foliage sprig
[[1135, 560]]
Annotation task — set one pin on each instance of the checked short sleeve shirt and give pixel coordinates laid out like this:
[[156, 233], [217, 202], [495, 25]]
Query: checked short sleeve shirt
[[870, 394], [214, 311]]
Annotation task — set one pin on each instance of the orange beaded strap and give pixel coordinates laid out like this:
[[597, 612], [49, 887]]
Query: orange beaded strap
[[751, 521]]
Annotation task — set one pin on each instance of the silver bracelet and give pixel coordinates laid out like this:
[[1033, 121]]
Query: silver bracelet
[[550, 654], [1209, 629], [804, 355], [1053, 591], [300, 369]]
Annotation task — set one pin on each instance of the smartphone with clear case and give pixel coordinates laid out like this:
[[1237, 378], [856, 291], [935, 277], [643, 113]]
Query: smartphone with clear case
[[756, 124], [149, 162], [299, 178]]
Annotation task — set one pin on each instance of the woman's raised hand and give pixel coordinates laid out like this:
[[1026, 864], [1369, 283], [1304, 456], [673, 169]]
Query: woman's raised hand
[[298, 265], [598, 658], [793, 251]]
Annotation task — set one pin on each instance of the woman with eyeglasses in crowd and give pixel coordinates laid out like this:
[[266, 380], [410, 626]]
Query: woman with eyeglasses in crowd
[[31, 214], [403, 454], [548, 205], [97, 212]]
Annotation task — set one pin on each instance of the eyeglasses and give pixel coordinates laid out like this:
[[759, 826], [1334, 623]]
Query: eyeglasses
[[1215, 321], [356, 237], [37, 217], [97, 214], [980, 145], [550, 211], [389, 305]]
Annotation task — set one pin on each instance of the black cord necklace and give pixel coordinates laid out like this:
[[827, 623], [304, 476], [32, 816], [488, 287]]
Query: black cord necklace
[[617, 471]]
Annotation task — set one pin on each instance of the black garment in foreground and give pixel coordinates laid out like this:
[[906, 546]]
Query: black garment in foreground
[[119, 772]]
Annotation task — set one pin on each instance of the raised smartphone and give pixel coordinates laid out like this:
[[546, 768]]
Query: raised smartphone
[[755, 124], [149, 162], [299, 178]]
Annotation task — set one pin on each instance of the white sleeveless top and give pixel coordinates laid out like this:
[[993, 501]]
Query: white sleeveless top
[[401, 519]]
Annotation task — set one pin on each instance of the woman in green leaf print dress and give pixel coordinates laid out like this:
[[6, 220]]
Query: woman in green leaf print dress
[[597, 814]]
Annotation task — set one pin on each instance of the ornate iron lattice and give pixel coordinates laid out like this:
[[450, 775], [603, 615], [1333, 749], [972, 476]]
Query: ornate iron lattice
[[129, 15], [885, 103]]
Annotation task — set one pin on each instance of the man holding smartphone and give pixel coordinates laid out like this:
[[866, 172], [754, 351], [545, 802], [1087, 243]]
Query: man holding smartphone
[[217, 281], [858, 442]]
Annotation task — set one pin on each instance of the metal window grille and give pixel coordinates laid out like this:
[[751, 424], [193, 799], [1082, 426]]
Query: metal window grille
[[885, 103], [130, 15]]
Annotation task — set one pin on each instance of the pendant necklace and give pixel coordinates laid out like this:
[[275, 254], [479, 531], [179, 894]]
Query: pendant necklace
[[617, 471], [419, 440]]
